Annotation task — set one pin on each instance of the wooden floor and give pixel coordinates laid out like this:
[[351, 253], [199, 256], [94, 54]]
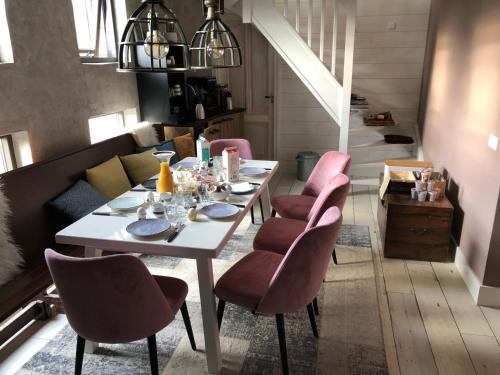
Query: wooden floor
[[430, 322]]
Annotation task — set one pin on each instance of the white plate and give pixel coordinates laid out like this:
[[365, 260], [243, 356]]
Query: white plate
[[125, 203], [186, 164], [220, 210], [253, 171], [148, 227], [242, 188]]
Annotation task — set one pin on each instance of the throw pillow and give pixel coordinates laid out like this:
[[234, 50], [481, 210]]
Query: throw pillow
[[109, 178], [145, 134], [78, 201], [184, 146], [140, 167], [166, 146], [10, 254]]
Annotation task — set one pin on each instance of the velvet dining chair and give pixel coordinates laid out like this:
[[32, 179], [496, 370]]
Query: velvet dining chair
[[246, 153], [269, 283], [298, 207], [278, 233], [114, 299]]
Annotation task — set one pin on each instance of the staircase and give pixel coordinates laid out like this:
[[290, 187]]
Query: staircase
[[309, 36], [295, 46]]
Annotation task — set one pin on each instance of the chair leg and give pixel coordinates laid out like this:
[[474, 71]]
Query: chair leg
[[312, 319], [252, 215], [280, 323], [220, 311], [261, 209], [80, 348], [334, 256], [153, 355], [273, 213], [315, 305], [187, 323]]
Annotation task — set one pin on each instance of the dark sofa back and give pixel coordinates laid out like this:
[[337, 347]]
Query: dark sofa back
[[34, 224]]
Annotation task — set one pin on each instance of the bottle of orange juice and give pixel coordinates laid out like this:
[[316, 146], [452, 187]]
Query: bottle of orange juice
[[165, 179]]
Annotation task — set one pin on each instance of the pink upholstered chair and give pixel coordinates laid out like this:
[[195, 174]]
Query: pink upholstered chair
[[246, 152], [278, 234], [114, 299], [299, 206], [270, 283]]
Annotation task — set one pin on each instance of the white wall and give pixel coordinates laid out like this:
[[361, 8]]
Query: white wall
[[388, 64]]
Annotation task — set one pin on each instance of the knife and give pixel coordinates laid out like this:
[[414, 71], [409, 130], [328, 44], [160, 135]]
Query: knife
[[107, 214], [176, 233]]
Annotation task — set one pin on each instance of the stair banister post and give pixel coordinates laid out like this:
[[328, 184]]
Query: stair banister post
[[309, 23], [334, 35], [322, 31], [350, 30], [297, 15]]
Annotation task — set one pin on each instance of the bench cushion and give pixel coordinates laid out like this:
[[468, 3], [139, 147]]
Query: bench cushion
[[78, 201], [109, 178], [140, 167]]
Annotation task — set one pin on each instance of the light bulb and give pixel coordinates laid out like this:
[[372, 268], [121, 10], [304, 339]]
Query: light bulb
[[156, 45], [215, 48]]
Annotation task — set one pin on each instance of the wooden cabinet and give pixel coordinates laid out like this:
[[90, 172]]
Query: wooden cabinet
[[229, 125], [415, 230]]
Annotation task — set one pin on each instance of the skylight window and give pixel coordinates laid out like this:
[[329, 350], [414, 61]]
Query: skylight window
[[6, 55], [98, 28]]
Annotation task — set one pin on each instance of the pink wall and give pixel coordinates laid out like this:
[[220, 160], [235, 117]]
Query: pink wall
[[460, 108]]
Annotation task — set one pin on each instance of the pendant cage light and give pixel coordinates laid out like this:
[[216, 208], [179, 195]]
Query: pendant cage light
[[153, 41], [214, 45]]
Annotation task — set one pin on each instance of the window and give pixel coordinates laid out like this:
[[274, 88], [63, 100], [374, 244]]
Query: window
[[112, 125], [99, 24], [5, 46], [7, 157]]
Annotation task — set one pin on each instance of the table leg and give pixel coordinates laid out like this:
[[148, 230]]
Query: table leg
[[210, 326], [90, 252]]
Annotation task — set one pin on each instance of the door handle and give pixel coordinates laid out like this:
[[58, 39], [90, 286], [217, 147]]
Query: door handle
[[270, 97]]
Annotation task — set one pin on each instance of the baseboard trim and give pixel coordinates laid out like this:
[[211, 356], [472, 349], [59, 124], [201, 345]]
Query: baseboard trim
[[483, 295]]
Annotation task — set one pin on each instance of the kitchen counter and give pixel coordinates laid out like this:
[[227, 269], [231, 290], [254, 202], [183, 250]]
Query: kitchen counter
[[187, 122]]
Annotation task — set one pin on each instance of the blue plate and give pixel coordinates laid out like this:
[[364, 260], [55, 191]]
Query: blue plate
[[220, 210], [148, 227]]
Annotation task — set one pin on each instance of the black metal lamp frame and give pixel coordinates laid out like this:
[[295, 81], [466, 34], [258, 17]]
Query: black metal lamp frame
[[199, 57], [131, 55]]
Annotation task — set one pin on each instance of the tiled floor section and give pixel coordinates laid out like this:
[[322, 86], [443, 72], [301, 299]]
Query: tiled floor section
[[430, 322]]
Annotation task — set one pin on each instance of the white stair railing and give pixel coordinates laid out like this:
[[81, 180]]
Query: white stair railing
[[272, 19]]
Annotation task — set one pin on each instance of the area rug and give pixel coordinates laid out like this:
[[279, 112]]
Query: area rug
[[249, 342]]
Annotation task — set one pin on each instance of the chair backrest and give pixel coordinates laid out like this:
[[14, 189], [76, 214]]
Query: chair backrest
[[333, 194], [111, 299], [299, 277], [330, 164], [245, 148]]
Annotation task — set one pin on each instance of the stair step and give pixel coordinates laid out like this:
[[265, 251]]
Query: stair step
[[381, 145]]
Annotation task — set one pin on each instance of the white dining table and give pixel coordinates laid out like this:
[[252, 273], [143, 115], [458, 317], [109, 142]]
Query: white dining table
[[202, 240]]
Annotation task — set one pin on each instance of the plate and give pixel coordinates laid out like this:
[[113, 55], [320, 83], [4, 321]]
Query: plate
[[125, 203], [148, 227], [150, 184], [187, 164], [242, 188], [252, 171], [220, 210]]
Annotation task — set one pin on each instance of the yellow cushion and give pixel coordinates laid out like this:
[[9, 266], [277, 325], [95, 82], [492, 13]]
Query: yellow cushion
[[142, 166], [109, 178], [184, 146]]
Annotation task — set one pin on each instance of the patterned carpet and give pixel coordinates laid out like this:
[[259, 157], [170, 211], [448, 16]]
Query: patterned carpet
[[249, 343]]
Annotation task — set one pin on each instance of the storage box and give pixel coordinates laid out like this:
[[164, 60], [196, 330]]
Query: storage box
[[202, 149], [231, 164]]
